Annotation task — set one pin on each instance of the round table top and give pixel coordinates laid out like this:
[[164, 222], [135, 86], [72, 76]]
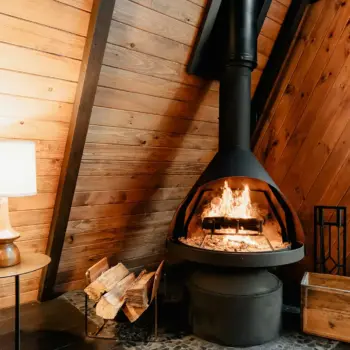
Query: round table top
[[29, 263]]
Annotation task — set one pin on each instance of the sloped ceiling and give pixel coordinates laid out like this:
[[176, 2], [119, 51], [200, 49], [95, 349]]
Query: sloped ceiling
[[305, 142], [152, 132]]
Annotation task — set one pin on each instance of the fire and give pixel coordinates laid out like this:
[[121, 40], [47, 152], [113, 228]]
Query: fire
[[231, 222], [231, 204]]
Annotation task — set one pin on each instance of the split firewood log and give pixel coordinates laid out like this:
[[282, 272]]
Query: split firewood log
[[111, 302], [133, 313], [96, 270], [138, 294], [106, 281]]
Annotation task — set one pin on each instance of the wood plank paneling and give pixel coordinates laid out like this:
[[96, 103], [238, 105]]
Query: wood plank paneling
[[143, 121], [41, 46], [123, 168], [21, 84], [305, 142], [94, 151], [48, 13], [41, 38], [144, 18], [152, 132], [106, 134], [96, 40], [80, 4], [17, 107], [40, 201], [127, 196], [33, 129], [182, 10], [118, 99], [37, 62], [305, 77]]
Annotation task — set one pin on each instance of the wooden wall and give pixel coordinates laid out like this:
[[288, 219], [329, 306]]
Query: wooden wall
[[305, 144], [41, 46], [153, 131]]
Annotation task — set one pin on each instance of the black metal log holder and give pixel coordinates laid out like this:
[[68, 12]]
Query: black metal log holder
[[96, 334], [323, 233]]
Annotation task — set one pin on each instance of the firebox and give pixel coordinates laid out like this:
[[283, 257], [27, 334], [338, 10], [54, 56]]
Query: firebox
[[235, 223]]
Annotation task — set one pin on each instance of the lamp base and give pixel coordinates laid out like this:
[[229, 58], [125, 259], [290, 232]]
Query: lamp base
[[9, 254]]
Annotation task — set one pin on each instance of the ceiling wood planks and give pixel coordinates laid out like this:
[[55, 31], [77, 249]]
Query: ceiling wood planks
[[304, 143], [273, 67], [98, 29]]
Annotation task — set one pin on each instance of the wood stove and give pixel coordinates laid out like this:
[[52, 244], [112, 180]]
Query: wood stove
[[235, 223]]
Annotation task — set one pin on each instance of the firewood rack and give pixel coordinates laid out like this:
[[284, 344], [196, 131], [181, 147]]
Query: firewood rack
[[330, 231], [96, 333]]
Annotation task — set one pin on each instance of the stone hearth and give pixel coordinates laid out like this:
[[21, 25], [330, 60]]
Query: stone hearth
[[133, 336]]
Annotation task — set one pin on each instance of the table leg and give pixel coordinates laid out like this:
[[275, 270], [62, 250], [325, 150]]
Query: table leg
[[17, 316]]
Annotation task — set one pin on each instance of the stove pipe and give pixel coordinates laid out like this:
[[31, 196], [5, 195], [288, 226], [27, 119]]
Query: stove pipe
[[235, 82]]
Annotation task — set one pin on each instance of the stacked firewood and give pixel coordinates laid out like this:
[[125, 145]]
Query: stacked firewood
[[117, 289]]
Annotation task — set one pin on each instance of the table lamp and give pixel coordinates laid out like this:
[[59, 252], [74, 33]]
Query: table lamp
[[17, 179]]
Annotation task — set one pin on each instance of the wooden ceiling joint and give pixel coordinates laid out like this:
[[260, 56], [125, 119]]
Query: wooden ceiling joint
[[268, 82], [96, 40]]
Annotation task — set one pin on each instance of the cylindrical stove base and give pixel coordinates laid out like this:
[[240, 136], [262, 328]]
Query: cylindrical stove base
[[235, 308]]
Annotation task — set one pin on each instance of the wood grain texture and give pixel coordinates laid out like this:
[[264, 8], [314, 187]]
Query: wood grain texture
[[37, 62], [304, 144], [118, 99], [282, 85], [94, 151], [21, 84], [80, 4], [57, 15], [25, 109], [41, 51], [144, 121], [17, 31], [307, 74], [94, 49], [145, 18], [152, 132], [325, 310], [133, 196]]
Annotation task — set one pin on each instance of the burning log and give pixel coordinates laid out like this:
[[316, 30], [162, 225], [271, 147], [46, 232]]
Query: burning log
[[111, 302], [106, 281], [215, 223]]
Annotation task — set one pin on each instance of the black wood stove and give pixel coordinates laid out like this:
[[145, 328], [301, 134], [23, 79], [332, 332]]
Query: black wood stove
[[235, 223]]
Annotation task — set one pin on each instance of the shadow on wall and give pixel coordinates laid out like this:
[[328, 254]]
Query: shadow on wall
[[135, 246]]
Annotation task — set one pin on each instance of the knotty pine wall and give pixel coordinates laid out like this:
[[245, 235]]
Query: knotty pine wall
[[41, 46], [153, 131], [305, 144]]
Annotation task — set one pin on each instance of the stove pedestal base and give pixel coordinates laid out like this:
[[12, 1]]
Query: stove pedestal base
[[235, 308]]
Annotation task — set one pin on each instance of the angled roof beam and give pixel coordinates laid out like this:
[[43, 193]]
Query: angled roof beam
[[98, 30], [267, 83]]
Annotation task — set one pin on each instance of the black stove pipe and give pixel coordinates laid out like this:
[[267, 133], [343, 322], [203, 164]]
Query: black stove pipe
[[235, 83]]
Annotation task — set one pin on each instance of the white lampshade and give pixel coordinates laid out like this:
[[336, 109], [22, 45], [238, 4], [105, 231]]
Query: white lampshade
[[17, 168]]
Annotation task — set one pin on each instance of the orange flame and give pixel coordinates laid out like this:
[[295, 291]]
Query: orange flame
[[231, 204]]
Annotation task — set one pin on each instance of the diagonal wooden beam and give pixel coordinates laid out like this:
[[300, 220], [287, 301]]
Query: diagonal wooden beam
[[98, 30], [265, 6], [283, 43]]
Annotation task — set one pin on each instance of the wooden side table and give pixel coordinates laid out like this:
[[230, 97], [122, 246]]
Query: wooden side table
[[29, 263]]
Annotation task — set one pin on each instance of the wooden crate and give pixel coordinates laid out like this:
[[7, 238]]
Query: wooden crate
[[325, 301]]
